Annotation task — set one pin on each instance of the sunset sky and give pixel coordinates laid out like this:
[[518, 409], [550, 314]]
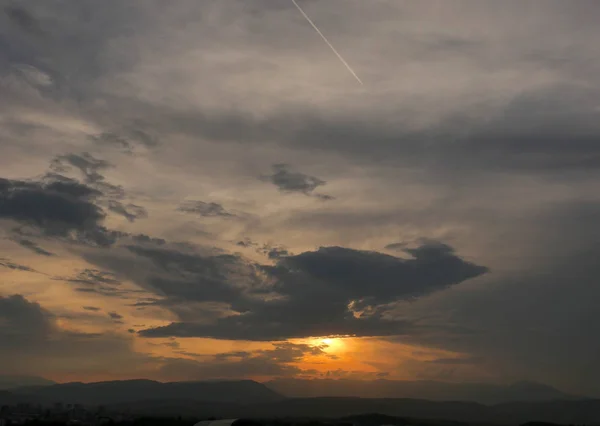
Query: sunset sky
[[201, 190]]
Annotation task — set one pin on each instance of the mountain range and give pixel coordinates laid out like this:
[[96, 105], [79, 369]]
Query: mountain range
[[432, 390], [246, 398], [125, 391], [8, 381]]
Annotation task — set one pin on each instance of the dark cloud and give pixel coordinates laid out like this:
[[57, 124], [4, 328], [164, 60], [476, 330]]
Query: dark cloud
[[115, 316], [98, 282], [33, 343], [277, 252], [30, 245], [23, 19], [91, 308], [60, 206], [56, 207], [5, 263], [93, 277], [281, 361], [189, 276], [396, 246], [525, 323], [130, 211], [143, 138], [246, 242], [146, 239], [331, 291], [90, 167], [86, 163], [271, 251], [204, 209], [456, 361], [112, 139], [518, 138], [127, 140], [290, 181]]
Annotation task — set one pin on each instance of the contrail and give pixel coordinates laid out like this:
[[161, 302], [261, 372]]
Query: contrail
[[327, 41]]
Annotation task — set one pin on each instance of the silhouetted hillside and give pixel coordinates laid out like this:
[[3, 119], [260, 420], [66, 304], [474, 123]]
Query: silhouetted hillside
[[248, 399], [565, 412], [12, 381], [431, 390], [244, 391]]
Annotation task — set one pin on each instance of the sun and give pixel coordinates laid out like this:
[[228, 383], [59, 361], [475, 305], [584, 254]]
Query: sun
[[331, 344]]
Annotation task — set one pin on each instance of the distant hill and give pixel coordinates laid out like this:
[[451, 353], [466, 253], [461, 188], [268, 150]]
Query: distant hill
[[563, 412], [430, 390], [243, 391], [13, 381], [248, 399]]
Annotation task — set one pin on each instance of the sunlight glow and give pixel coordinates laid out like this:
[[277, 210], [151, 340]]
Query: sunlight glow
[[331, 344]]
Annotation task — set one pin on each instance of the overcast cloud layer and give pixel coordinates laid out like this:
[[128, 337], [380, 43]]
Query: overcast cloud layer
[[209, 175]]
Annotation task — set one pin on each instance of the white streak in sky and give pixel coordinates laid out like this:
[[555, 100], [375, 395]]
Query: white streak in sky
[[327, 41]]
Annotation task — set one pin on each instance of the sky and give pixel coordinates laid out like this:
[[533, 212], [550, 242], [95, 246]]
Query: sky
[[201, 190]]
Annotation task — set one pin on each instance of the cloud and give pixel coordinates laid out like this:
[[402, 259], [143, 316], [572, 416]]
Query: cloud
[[93, 277], [127, 139], [86, 163], [91, 168], [116, 317], [23, 19], [396, 246], [130, 211], [277, 252], [33, 343], [5, 263], [283, 360], [92, 308], [30, 245], [98, 282], [56, 207], [346, 291], [204, 209], [290, 182], [456, 361]]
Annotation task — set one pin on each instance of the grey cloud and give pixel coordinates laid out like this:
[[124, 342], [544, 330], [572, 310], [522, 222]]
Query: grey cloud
[[204, 209], [130, 211], [456, 361], [247, 242], [434, 266], [23, 19], [5, 263], [31, 245], [93, 277], [56, 207], [91, 168], [126, 140], [277, 252], [517, 138], [115, 316], [113, 139], [270, 250], [146, 239], [281, 361], [347, 292], [396, 246], [98, 282], [85, 163], [289, 181], [33, 343], [63, 207], [526, 323]]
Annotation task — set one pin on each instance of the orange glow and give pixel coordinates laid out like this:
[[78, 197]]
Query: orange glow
[[331, 344]]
